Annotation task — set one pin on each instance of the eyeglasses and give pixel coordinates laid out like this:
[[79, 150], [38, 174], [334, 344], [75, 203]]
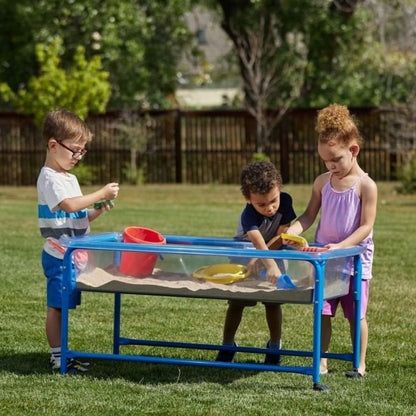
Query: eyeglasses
[[75, 153]]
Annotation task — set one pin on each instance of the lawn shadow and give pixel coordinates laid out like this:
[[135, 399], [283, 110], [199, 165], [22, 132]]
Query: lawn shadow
[[27, 364], [151, 373], [145, 373]]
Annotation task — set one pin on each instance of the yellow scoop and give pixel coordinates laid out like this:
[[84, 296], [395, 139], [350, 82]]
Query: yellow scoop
[[296, 239]]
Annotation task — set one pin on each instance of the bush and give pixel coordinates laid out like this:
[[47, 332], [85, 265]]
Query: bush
[[81, 88], [258, 157], [85, 174], [407, 176]]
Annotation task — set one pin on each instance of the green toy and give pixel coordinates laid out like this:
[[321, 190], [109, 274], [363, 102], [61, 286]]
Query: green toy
[[99, 205]]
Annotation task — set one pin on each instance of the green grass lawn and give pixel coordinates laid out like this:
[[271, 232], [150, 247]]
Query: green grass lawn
[[124, 388]]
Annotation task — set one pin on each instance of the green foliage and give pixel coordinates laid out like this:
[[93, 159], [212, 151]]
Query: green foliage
[[353, 58], [81, 88], [85, 174], [134, 131], [258, 157], [134, 175], [140, 42], [347, 63], [407, 176]]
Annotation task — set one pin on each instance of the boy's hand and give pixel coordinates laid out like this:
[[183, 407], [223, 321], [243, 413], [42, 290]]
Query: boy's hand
[[104, 205], [110, 191], [255, 266], [273, 273]]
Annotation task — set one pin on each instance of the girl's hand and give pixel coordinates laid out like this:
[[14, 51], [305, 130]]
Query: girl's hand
[[334, 246]]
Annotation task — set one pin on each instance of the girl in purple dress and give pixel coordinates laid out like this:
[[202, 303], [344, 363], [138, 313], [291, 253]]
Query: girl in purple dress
[[347, 199]]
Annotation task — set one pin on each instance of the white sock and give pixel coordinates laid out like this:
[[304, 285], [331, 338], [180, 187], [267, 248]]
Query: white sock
[[56, 356]]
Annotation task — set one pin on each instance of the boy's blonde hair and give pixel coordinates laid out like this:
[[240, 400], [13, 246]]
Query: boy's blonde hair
[[336, 123], [65, 125]]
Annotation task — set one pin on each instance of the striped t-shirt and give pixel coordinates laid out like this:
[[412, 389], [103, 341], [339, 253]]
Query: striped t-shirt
[[53, 187]]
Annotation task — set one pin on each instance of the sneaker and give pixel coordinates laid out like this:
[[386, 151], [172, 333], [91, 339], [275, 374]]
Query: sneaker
[[84, 364], [272, 358], [226, 356], [55, 367], [73, 366], [76, 367]]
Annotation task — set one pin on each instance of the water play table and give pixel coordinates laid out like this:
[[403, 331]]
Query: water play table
[[317, 276]]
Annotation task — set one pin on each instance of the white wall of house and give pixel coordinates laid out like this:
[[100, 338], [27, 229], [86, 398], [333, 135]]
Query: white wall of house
[[215, 45], [207, 97]]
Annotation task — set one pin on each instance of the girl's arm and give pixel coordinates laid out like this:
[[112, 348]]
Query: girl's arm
[[306, 220]]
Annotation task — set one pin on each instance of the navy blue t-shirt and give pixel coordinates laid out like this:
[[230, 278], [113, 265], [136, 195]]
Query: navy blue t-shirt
[[250, 219]]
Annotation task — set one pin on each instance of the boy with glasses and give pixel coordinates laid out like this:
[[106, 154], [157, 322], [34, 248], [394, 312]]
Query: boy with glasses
[[63, 212]]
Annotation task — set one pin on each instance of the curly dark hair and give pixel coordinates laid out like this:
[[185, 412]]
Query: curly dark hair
[[259, 178]]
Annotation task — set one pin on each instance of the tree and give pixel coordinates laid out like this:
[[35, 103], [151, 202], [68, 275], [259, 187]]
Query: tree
[[393, 24], [132, 129], [297, 53], [82, 88], [349, 62], [340, 52], [271, 60], [139, 41]]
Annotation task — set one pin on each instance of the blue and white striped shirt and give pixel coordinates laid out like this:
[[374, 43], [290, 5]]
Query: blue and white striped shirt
[[53, 187]]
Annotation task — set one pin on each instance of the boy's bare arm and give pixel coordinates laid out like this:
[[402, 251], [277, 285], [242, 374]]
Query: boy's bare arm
[[108, 192]]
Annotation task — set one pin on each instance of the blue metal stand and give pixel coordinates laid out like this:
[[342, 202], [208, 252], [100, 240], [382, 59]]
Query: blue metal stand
[[223, 247]]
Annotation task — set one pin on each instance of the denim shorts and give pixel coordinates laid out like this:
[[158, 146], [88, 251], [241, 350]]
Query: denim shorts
[[53, 270]]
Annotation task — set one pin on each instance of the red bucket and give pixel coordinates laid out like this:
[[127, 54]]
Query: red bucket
[[139, 264]]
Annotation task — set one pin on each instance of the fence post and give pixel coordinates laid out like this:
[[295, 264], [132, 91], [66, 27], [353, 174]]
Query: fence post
[[284, 156], [178, 146]]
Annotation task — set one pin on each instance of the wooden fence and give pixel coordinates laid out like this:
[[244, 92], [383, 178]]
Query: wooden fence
[[199, 146]]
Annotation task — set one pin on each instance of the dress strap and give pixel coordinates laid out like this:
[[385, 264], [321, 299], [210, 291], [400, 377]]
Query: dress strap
[[359, 180]]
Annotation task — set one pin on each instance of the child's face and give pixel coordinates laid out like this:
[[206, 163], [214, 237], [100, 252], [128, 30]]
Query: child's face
[[266, 204], [339, 158], [66, 153]]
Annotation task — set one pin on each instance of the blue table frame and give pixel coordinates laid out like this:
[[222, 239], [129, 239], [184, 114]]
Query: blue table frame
[[206, 246]]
